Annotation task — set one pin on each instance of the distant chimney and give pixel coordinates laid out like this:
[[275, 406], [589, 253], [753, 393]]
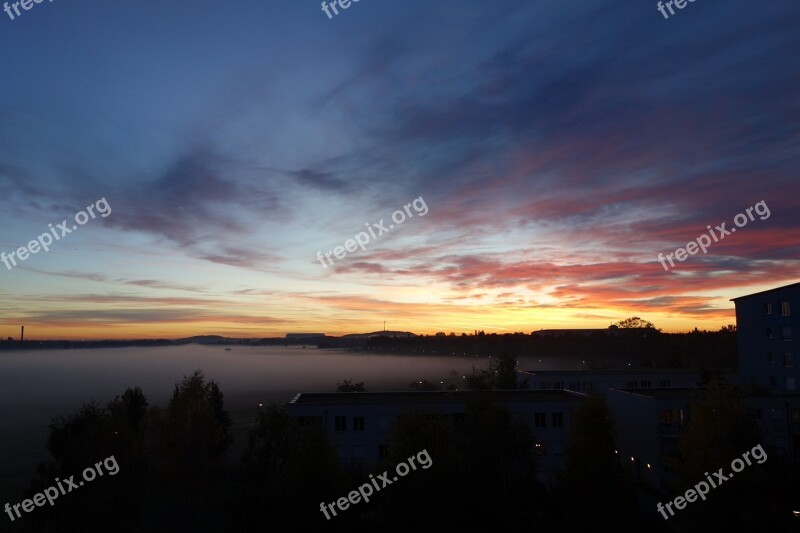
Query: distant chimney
[[22, 334]]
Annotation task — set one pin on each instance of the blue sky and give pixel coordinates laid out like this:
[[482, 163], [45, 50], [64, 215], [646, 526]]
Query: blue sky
[[559, 146]]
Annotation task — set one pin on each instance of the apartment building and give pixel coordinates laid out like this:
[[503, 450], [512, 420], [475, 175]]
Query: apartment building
[[599, 381], [359, 423], [767, 349]]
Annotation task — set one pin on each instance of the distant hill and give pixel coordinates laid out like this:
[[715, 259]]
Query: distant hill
[[204, 339]]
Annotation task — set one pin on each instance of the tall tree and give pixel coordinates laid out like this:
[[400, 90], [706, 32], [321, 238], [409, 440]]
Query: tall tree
[[348, 386], [286, 471], [501, 374], [635, 322], [594, 488], [721, 428]]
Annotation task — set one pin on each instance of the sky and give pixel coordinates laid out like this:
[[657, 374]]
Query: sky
[[546, 151]]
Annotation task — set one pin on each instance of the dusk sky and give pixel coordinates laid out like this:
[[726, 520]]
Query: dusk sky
[[559, 148]]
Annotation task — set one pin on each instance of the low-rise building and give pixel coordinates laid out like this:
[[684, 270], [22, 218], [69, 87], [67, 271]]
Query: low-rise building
[[599, 381], [359, 423]]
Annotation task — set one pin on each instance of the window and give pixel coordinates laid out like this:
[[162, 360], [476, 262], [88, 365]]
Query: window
[[545, 385], [788, 360], [786, 333], [769, 333], [340, 423], [540, 420], [558, 420], [631, 385], [789, 383], [558, 385], [768, 308], [773, 382], [587, 386], [645, 383], [358, 423], [664, 384], [770, 357], [383, 451], [785, 309]]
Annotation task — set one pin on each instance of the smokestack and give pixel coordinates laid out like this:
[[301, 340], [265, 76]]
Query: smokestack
[[22, 334]]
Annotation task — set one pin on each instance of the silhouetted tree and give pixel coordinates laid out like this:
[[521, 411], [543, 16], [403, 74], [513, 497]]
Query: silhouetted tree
[[594, 489], [721, 428], [286, 471], [501, 374], [348, 386], [635, 322], [193, 429], [95, 434]]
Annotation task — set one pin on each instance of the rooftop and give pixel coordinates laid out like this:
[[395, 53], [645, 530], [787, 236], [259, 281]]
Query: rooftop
[[676, 393], [790, 286], [426, 397], [628, 371]]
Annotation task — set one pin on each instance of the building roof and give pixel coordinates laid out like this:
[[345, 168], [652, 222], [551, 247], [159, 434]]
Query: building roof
[[625, 371], [790, 286], [675, 393], [424, 397]]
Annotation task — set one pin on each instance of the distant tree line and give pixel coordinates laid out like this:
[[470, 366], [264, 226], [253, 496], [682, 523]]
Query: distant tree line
[[632, 340]]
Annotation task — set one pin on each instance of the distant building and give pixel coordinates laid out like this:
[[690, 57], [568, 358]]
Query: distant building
[[359, 423], [765, 327], [574, 332], [304, 335]]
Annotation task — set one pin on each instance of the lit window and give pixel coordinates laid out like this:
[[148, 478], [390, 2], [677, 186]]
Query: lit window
[[768, 308], [785, 309]]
